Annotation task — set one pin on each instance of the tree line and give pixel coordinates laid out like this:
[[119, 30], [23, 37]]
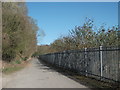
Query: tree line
[[18, 32], [85, 36]]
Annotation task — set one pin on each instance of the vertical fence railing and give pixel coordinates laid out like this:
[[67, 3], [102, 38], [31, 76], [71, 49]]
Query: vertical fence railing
[[86, 61], [119, 65], [101, 63]]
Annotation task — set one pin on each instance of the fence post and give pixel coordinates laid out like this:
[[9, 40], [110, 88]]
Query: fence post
[[119, 64], [101, 62], [86, 61]]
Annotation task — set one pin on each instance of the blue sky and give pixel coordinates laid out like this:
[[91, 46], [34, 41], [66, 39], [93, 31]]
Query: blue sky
[[57, 18]]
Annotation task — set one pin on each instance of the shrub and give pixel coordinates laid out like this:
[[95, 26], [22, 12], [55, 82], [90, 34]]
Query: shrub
[[25, 58], [18, 62]]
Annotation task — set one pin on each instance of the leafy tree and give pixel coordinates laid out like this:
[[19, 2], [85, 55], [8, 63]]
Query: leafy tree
[[19, 32], [87, 37]]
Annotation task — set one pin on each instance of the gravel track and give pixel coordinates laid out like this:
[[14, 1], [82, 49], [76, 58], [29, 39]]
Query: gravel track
[[36, 75]]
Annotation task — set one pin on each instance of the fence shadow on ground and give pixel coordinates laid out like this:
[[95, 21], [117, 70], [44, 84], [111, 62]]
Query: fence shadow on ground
[[91, 83], [42, 65]]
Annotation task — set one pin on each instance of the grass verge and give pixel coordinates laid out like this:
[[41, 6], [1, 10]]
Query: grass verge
[[9, 70], [14, 66]]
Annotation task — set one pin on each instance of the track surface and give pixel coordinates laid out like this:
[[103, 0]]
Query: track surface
[[36, 75]]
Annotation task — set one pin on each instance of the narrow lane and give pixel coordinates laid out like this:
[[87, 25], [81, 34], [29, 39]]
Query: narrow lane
[[36, 75]]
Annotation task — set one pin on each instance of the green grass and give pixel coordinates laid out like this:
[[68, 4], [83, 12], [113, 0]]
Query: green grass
[[9, 70], [14, 66]]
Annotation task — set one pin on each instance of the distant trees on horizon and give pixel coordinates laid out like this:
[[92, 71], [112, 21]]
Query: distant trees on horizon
[[86, 36]]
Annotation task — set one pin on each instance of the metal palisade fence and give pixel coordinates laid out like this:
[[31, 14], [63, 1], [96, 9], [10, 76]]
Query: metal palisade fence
[[102, 63]]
